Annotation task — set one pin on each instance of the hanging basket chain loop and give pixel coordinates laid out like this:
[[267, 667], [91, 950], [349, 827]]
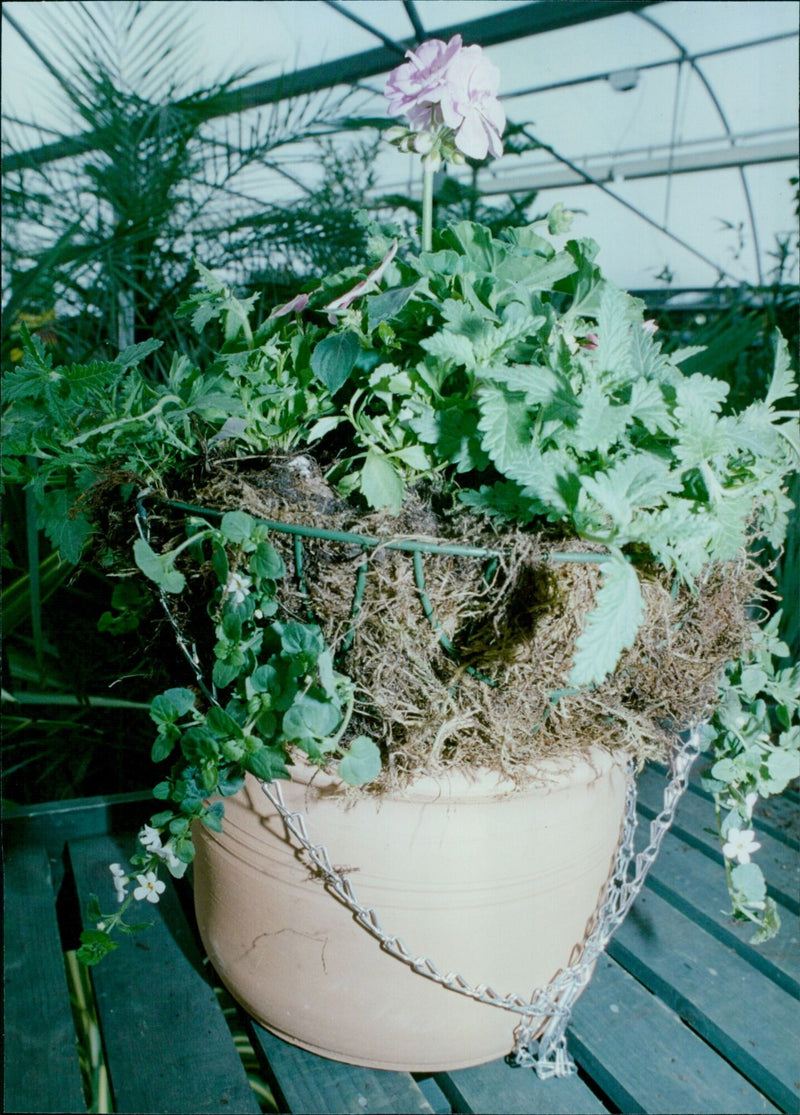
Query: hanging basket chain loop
[[555, 1000]]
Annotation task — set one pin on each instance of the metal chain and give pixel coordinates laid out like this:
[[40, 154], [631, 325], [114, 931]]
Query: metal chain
[[556, 999]]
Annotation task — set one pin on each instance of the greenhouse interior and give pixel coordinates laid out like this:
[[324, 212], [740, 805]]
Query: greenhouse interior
[[199, 194]]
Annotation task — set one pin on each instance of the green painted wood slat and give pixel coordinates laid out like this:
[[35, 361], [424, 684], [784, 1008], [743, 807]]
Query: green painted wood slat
[[695, 883], [645, 1059], [748, 1019], [677, 942], [308, 1083], [167, 1044], [41, 1071], [504, 1091]]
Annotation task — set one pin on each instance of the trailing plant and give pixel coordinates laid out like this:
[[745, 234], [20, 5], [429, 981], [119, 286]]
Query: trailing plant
[[502, 372], [754, 740], [281, 689]]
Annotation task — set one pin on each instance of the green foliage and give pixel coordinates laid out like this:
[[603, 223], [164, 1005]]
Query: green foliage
[[507, 371], [275, 688], [755, 743], [519, 366], [612, 626]]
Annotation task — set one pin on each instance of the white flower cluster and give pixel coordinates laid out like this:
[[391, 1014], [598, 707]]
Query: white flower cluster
[[150, 839], [150, 887]]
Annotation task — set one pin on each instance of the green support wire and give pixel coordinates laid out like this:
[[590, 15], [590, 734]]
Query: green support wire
[[365, 541], [416, 547]]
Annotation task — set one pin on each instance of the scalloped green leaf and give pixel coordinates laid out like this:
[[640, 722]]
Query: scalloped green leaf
[[362, 763], [611, 627]]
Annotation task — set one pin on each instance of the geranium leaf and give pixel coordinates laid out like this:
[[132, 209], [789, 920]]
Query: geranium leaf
[[380, 482]]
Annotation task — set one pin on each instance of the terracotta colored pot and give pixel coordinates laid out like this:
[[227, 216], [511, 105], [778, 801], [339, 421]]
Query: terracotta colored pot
[[495, 884]]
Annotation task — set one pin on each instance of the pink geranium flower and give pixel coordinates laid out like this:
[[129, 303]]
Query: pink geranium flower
[[452, 85], [469, 104], [414, 89]]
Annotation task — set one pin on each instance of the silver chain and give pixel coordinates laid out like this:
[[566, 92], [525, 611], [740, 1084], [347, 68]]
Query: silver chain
[[556, 999]]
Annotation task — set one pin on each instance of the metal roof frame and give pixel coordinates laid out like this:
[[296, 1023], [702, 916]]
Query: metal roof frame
[[515, 23]]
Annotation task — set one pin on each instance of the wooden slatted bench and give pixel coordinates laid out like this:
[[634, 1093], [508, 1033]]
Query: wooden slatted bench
[[683, 1015]]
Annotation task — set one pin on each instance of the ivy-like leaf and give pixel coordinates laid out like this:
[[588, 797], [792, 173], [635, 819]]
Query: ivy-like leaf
[[311, 718], [158, 567], [267, 763], [334, 358], [236, 526], [362, 763], [171, 705], [267, 563]]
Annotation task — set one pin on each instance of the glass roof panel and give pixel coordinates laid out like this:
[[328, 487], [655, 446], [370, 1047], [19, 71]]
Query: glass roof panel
[[623, 111]]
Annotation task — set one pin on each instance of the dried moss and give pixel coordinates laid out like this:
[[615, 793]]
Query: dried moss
[[502, 699]]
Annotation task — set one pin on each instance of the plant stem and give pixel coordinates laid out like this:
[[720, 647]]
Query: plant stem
[[427, 207], [127, 419]]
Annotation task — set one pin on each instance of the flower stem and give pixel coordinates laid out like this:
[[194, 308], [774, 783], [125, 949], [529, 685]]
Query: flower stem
[[427, 207]]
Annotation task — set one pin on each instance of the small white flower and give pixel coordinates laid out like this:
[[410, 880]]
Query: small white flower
[[238, 587], [176, 867], [750, 803], [150, 887], [150, 839], [120, 879], [740, 845]]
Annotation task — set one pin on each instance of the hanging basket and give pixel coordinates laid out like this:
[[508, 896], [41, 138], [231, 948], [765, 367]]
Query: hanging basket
[[476, 883]]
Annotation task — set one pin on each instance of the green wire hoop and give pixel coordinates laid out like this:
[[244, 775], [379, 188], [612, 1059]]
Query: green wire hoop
[[416, 547]]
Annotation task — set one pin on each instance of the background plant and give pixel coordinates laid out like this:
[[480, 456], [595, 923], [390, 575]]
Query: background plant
[[98, 253]]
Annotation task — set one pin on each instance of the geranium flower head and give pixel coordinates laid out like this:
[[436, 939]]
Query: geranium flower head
[[450, 85], [414, 88], [469, 104]]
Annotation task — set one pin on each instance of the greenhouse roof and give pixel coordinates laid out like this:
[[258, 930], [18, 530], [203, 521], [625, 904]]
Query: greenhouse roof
[[670, 127]]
